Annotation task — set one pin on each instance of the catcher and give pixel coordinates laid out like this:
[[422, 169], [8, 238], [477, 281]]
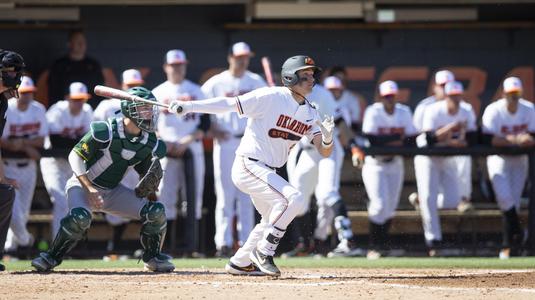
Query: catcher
[[99, 162]]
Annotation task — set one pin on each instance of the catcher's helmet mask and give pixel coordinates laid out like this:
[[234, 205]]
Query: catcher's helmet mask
[[294, 64], [144, 115], [11, 68]]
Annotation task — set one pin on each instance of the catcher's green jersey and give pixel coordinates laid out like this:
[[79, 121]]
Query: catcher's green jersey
[[108, 151]]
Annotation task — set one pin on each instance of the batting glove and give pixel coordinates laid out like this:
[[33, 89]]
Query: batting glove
[[180, 107], [327, 129]]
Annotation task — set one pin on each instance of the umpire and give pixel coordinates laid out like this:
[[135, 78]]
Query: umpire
[[11, 66]]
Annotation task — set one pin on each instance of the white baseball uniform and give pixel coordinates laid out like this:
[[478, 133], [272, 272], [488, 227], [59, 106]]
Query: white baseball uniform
[[508, 173], [57, 170], [464, 162], [230, 200], [172, 129], [30, 123], [383, 175], [350, 102], [440, 171], [276, 123], [305, 163]]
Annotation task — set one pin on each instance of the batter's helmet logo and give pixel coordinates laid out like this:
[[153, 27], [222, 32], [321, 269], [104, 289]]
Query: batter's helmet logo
[[309, 61]]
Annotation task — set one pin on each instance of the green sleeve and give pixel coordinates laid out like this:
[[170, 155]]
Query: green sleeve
[[161, 149], [142, 167], [91, 142]]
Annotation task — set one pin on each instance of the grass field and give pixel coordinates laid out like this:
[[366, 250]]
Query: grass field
[[402, 263]]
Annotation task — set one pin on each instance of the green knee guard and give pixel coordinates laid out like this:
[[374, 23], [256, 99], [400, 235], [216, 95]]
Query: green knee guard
[[73, 228], [153, 229]]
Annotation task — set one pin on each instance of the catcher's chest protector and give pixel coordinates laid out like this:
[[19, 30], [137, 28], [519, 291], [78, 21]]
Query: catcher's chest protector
[[111, 163]]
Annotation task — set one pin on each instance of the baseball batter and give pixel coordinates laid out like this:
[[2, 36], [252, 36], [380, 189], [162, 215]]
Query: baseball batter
[[68, 121], [99, 161], [228, 130], [278, 118], [445, 123], [386, 123], [509, 121], [22, 139]]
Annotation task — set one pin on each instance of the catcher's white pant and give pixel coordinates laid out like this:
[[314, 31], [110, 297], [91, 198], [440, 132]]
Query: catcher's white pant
[[230, 200], [277, 201], [383, 182], [432, 173], [174, 178], [311, 173], [56, 171], [508, 175], [25, 172], [464, 164], [130, 180]]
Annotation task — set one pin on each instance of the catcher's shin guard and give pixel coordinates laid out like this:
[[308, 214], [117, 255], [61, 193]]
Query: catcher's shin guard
[[73, 228], [153, 230]]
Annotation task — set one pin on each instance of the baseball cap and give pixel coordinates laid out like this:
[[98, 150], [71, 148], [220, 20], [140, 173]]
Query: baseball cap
[[240, 49], [453, 88], [26, 85], [443, 77], [78, 91], [388, 87], [175, 56], [132, 77], [512, 85], [333, 83]]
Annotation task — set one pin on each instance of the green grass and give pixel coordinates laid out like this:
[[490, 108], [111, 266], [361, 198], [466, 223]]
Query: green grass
[[385, 263]]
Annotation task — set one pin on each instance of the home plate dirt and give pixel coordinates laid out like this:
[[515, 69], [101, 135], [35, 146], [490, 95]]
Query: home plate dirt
[[295, 283]]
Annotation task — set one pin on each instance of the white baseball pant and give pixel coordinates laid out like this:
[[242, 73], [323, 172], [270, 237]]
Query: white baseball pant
[[230, 200], [508, 176], [130, 180], [174, 178], [25, 172], [56, 171], [277, 201], [383, 182]]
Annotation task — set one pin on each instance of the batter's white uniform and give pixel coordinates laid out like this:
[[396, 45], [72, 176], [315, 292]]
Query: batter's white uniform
[[172, 129], [383, 175], [305, 163], [57, 170], [464, 162], [230, 200], [29, 124], [508, 173], [276, 123], [440, 171]]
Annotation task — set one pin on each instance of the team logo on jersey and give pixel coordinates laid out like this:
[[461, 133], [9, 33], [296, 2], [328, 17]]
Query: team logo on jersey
[[516, 129], [85, 147]]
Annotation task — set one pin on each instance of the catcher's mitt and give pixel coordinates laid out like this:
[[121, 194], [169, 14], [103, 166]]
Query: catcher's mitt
[[149, 183]]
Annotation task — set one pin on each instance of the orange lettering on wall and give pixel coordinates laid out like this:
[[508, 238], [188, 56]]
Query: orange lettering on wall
[[525, 73], [403, 74]]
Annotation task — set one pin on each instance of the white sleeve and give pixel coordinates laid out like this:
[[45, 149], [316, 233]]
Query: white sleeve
[[314, 130], [43, 130], [428, 119], [88, 118], [53, 117], [208, 88], [369, 125], [471, 121], [252, 104], [418, 117], [77, 163], [410, 130], [488, 121]]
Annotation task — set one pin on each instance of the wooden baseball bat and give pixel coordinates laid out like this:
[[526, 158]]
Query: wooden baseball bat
[[106, 91], [266, 64]]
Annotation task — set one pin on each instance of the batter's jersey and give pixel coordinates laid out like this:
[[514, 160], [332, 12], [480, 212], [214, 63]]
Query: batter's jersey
[[498, 121], [276, 123], [30, 123], [225, 84], [418, 117], [350, 103], [437, 116], [108, 150], [172, 127], [108, 109], [378, 122], [62, 122]]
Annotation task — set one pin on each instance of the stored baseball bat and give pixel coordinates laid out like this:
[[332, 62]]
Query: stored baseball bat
[[106, 91], [266, 64]]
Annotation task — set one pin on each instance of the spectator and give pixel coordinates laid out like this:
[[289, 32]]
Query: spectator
[[75, 66]]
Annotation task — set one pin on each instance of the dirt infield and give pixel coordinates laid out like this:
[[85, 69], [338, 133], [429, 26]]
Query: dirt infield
[[295, 283]]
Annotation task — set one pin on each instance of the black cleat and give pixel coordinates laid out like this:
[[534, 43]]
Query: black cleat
[[250, 270], [265, 263]]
